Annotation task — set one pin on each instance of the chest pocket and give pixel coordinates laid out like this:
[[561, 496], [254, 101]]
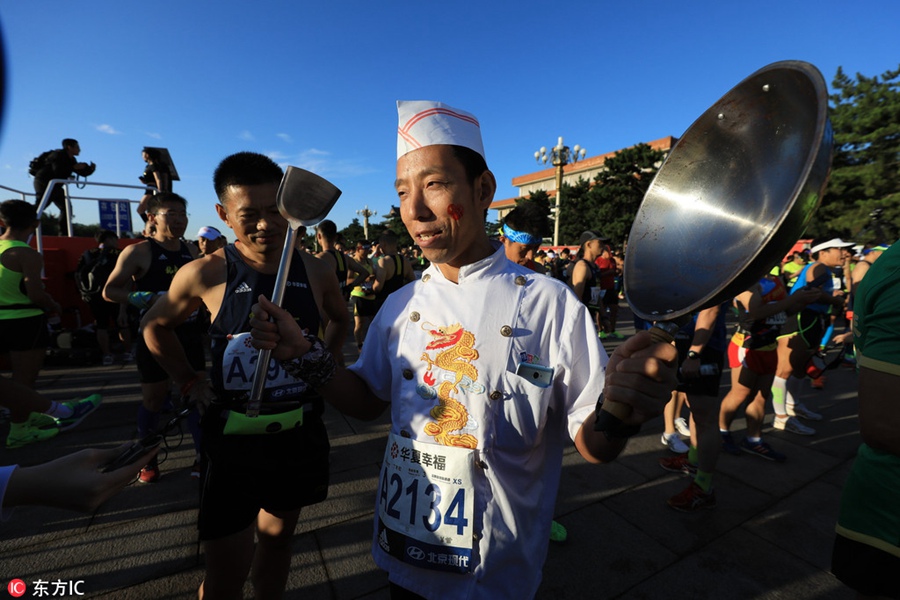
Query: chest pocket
[[519, 413]]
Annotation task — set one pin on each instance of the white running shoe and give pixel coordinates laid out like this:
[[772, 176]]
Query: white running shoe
[[792, 425], [674, 443], [682, 427], [799, 410]]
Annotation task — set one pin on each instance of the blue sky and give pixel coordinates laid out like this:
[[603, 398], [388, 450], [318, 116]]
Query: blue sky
[[315, 84]]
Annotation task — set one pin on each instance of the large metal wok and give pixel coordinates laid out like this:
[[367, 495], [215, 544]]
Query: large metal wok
[[734, 194]]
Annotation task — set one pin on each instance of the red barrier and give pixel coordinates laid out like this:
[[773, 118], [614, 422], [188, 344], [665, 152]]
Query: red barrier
[[61, 256]]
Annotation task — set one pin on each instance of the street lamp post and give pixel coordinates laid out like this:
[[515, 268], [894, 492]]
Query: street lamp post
[[366, 213], [559, 157]]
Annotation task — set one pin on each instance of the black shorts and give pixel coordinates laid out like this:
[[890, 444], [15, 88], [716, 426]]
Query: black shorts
[[24, 334], [610, 297], [189, 334], [705, 385], [105, 313], [245, 473], [363, 307], [808, 324]]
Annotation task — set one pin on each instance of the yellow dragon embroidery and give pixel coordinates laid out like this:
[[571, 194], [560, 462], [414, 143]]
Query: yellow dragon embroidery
[[456, 353]]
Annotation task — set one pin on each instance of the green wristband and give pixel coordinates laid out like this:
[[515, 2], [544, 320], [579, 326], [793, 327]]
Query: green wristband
[[140, 300]]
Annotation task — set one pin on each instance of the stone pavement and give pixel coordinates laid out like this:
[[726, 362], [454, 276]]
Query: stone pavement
[[769, 537]]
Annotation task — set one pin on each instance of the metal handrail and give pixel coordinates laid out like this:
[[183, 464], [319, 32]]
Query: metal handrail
[[68, 207]]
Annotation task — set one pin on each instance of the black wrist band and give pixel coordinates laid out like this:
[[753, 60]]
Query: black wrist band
[[612, 426]]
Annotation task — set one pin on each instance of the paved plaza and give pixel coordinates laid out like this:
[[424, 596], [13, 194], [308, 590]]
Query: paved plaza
[[769, 537]]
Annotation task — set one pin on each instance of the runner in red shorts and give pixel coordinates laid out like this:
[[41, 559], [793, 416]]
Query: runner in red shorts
[[753, 358]]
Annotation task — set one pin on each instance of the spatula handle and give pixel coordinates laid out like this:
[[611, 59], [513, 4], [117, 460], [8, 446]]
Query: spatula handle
[[262, 362]]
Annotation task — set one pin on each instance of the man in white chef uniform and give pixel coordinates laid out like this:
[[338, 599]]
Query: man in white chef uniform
[[488, 369]]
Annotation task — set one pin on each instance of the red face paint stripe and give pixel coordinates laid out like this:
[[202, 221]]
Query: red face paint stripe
[[455, 211]]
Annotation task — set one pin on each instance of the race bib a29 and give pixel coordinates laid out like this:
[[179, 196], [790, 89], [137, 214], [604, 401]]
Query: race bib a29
[[239, 367]]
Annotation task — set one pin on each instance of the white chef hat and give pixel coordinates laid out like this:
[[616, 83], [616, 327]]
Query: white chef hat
[[428, 123]]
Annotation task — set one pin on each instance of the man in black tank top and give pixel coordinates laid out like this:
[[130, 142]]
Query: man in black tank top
[[393, 272], [342, 264], [142, 275], [257, 472]]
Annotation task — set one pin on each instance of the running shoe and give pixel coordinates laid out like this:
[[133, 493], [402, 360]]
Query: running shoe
[[762, 450], [602, 335], [150, 473], [674, 443], [792, 425], [693, 498], [678, 464], [681, 426], [36, 428], [558, 533], [127, 357], [800, 410], [195, 469], [80, 410], [107, 360], [728, 444], [617, 335]]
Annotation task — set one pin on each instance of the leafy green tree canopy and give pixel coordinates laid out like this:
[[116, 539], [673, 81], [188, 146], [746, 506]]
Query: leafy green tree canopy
[[611, 203], [862, 201]]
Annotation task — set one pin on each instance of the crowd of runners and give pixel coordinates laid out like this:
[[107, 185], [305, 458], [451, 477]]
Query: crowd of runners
[[488, 354]]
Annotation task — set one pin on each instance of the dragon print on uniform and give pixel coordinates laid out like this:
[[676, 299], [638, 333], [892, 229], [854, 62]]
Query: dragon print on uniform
[[454, 353]]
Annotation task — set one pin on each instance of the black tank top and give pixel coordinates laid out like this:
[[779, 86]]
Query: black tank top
[[340, 268], [590, 283], [396, 282], [163, 266], [234, 360]]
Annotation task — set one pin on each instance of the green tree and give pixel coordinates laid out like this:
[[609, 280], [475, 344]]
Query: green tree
[[539, 197], [865, 176], [611, 203], [393, 222], [50, 226], [352, 233], [577, 213]]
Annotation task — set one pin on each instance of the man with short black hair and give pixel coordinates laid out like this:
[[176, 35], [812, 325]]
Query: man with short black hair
[[142, 277], [392, 270], [60, 164], [487, 367], [341, 263], [258, 472]]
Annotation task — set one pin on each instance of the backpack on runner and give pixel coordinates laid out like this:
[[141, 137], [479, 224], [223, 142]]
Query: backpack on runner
[[93, 269], [39, 162]]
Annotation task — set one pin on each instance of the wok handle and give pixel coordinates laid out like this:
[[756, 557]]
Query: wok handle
[[611, 414]]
